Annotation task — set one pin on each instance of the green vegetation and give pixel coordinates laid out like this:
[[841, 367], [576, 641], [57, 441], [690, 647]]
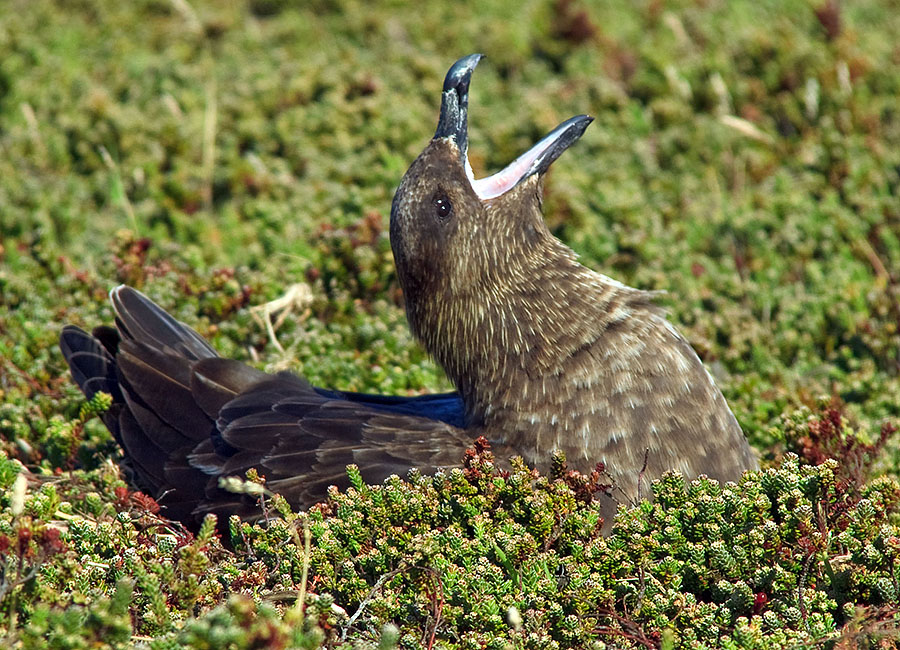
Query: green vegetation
[[745, 158]]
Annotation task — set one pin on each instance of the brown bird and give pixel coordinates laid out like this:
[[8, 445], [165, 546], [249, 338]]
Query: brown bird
[[545, 354]]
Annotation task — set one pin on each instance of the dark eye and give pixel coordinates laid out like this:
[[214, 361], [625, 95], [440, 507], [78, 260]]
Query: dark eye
[[442, 205]]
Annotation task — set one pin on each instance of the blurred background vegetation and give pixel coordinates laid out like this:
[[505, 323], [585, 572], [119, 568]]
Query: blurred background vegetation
[[745, 158]]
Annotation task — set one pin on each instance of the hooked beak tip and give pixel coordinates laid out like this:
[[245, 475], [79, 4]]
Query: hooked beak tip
[[460, 73]]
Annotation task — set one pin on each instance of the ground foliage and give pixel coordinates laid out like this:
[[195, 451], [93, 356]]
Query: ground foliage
[[745, 158]]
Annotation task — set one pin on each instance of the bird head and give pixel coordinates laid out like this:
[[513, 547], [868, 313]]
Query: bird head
[[455, 235]]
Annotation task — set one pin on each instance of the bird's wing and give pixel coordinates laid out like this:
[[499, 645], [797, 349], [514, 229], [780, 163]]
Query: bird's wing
[[186, 417]]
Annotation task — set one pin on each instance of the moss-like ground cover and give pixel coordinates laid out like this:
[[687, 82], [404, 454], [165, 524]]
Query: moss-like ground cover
[[745, 158]]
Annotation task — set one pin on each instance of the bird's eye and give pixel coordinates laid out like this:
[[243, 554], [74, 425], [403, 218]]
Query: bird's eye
[[442, 205]]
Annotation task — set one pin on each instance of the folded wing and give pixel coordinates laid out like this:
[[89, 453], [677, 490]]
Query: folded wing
[[186, 417]]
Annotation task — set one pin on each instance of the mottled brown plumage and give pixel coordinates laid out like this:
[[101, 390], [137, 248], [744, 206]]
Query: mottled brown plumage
[[546, 354]]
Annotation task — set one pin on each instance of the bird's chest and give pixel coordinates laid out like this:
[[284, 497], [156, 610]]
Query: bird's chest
[[537, 419]]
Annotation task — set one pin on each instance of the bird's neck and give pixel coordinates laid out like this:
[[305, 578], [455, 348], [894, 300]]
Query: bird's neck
[[508, 345]]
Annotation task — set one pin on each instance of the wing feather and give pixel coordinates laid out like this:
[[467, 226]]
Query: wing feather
[[186, 417]]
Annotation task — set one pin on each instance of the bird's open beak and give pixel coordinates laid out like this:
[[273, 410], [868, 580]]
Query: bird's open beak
[[453, 123]]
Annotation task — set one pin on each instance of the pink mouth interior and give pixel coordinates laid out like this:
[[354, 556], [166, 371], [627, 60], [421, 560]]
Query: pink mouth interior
[[493, 186]]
